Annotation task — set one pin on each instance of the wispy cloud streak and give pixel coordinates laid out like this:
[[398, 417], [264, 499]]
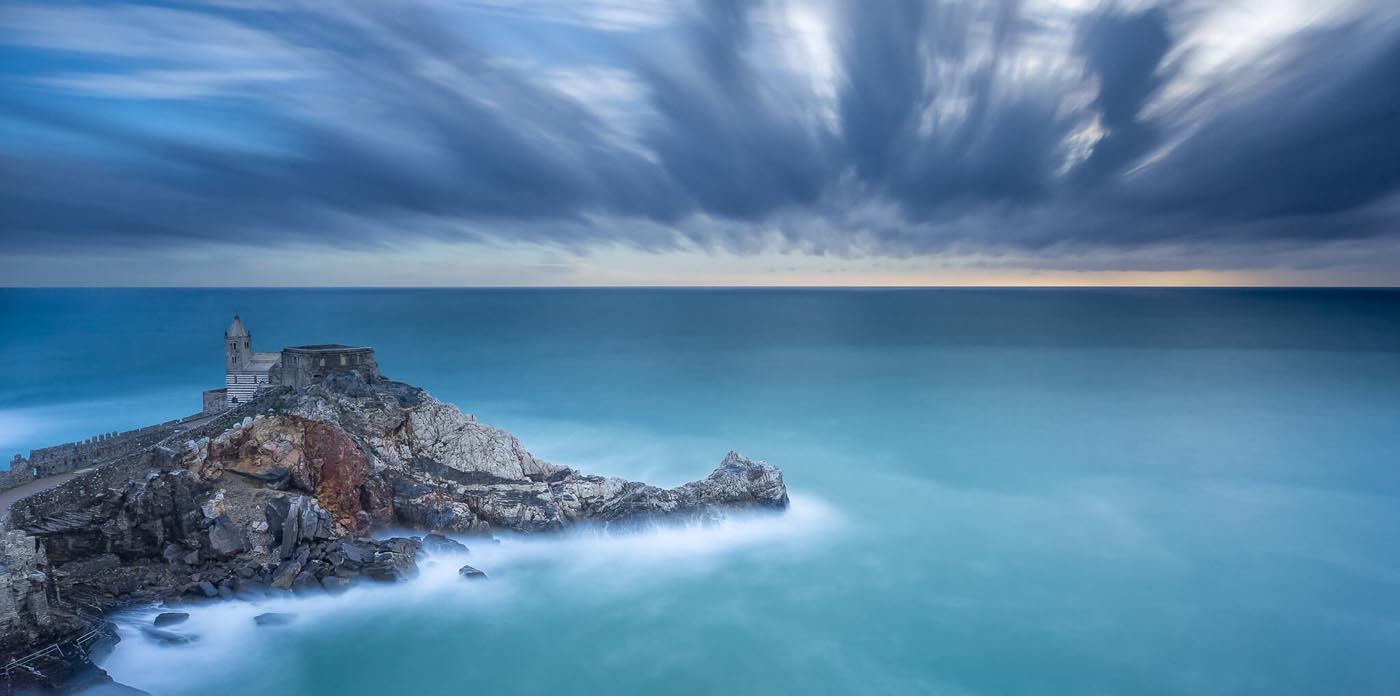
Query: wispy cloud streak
[[1126, 135]]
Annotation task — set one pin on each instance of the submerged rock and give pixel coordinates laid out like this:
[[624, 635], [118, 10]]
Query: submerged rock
[[165, 637], [170, 618], [471, 573], [273, 618], [335, 584]]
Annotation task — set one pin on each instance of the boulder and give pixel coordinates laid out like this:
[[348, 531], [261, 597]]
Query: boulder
[[275, 514], [306, 583], [249, 589], [173, 554], [302, 521], [170, 618], [358, 551], [273, 618], [225, 538], [391, 567], [285, 574], [438, 544], [335, 584], [401, 545]]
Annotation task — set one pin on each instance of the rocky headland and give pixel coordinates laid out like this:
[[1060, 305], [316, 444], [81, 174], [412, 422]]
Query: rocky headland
[[292, 493]]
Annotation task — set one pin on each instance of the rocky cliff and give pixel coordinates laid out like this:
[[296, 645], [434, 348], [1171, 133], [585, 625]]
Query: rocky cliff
[[384, 453], [286, 494]]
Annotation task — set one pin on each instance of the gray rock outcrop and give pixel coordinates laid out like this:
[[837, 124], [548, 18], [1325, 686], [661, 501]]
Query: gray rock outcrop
[[170, 618], [284, 494], [386, 452], [24, 604]]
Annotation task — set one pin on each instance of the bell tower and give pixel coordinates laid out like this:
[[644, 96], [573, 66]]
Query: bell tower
[[238, 346]]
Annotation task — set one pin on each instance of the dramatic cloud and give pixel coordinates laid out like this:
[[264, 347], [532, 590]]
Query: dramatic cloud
[[1040, 133]]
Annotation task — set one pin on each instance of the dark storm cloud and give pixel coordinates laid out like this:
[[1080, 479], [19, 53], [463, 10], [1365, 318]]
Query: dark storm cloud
[[370, 124], [1320, 138], [1000, 151], [1125, 53], [494, 146], [722, 145]]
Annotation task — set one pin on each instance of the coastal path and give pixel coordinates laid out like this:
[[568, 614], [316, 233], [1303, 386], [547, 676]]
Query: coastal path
[[18, 493]]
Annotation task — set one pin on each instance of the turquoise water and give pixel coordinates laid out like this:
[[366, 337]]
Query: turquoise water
[[995, 491]]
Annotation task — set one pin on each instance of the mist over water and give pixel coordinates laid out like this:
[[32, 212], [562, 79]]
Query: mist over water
[[995, 491], [422, 636]]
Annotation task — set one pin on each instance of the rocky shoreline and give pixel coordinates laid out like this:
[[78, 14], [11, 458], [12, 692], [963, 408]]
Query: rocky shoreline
[[285, 495]]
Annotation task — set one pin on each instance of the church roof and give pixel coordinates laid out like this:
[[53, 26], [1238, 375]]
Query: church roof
[[236, 328], [327, 347], [262, 362]]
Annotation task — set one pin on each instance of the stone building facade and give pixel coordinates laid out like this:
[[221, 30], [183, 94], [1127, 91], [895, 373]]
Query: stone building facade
[[302, 365], [247, 371]]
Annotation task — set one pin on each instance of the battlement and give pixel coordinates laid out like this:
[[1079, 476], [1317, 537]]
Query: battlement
[[98, 449]]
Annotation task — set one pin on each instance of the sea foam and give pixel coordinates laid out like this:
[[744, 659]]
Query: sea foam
[[584, 565]]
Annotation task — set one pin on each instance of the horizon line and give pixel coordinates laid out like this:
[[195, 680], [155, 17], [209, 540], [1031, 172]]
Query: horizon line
[[1004, 286]]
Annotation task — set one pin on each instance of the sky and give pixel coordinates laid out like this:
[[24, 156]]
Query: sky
[[641, 142]]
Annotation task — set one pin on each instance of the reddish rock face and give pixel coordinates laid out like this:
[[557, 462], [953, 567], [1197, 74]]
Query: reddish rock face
[[315, 457], [341, 471]]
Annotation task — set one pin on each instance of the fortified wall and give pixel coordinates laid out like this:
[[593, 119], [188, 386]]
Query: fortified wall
[[61, 459]]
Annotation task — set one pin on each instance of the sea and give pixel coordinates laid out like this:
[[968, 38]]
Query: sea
[[994, 491]]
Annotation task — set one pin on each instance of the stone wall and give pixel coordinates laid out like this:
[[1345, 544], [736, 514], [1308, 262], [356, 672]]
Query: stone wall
[[61, 459], [215, 401], [305, 365], [18, 474], [76, 493]]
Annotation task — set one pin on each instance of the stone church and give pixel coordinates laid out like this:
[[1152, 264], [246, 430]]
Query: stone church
[[247, 371]]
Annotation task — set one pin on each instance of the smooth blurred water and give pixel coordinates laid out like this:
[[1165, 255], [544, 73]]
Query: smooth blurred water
[[995, 491]]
